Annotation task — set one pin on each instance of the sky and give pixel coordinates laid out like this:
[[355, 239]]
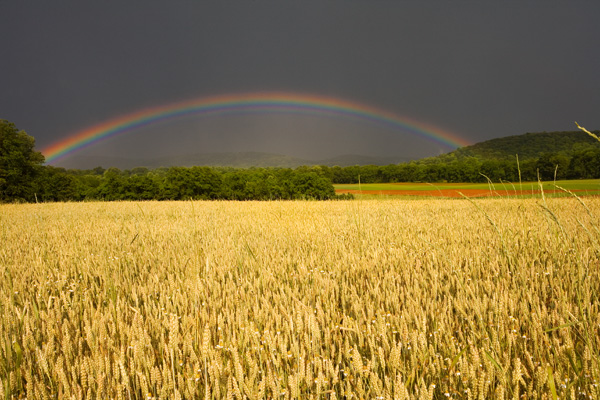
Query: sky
[[476, 69]]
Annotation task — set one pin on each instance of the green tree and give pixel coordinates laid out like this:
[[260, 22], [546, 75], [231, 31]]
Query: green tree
[[183, 183], [113, 185], [312, 186], [19, 163], [585, 165], [54, 184], [87, 186], [551, 165], [141, 187]]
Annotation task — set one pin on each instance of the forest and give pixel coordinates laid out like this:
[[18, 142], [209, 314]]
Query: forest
[[543, 155], [25, 178], [583, 164], [313, 182], [183, 183]]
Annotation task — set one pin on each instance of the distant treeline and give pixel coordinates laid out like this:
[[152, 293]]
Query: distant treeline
[[177, 183], [527, 146], [23, 177], [583, 164], [182, 183]]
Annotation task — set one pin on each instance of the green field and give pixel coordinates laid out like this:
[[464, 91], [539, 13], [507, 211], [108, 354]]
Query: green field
[[585, 187]]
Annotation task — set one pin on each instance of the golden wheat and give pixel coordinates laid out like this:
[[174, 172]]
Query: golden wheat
[[361, 299]]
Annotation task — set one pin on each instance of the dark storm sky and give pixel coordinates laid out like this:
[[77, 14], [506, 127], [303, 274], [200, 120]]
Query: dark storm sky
[[480, 69]]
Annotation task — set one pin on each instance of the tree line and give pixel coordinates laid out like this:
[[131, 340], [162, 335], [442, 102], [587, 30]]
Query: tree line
[[183, 183], [23, 177], [582, 164], [527, 146]]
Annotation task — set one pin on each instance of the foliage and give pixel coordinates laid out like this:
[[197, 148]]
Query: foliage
[[19, 163], [527, 146], [581, 164], [177, 183], [545, 156], [183, 183]]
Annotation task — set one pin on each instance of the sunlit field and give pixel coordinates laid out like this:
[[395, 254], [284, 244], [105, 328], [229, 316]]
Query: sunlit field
[[363, 299], [566, 188]]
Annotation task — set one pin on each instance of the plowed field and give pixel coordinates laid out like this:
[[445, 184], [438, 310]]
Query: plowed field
[[506, 189], [449, 192]]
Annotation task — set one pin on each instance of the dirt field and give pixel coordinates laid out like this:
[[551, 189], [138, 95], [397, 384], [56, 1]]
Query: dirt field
[[449, 192]]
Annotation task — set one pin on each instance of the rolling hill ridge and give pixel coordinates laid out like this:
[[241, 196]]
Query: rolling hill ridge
[[527, 146]]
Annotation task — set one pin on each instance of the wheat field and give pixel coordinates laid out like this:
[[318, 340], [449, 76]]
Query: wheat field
[[388, 299]]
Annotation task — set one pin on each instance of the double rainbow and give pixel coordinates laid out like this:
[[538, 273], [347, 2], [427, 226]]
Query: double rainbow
[[247, 103]]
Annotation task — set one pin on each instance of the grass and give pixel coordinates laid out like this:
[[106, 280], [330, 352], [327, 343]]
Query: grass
[[426, 299], [588, 186]]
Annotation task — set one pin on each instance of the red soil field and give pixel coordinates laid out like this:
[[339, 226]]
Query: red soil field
[[449, 192]]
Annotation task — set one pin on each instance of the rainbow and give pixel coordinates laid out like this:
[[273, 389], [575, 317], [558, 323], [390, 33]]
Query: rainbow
[[247, 103]]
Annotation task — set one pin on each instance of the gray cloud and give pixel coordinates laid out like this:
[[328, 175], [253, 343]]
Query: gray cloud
[[479, 69]]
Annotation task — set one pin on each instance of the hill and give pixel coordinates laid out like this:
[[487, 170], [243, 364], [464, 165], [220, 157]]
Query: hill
[[237, 160], [527, 146]]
